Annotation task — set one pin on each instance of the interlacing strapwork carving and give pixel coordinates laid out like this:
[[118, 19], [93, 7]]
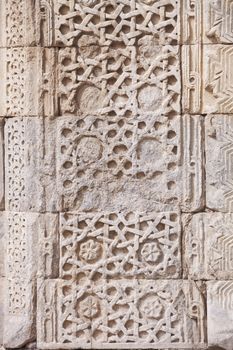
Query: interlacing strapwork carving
[[97, 150], [132, 313], [99, 80], [117, 245], [17, 264], [116, 21], [102, 164], [106, 293]]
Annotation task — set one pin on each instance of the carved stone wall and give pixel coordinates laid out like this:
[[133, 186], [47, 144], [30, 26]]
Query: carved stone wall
[[116, 174]]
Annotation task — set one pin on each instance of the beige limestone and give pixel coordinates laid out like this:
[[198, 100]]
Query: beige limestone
[[112, 313], [27, 77], [23, 159], [207, 79], [208, 246], [115, 174], [206, 21], [2, 172], [218, 133], [219, 306], [117, 159]]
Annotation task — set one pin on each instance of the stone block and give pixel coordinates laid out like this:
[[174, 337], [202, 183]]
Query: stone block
[[207, 79], [119, 163], [120, 314], [112, 23], [2, 298], [76, 23], [219, 133], [21, 268], [206, 22], [143, 82], [207, 245], [219, 315], [2, 170], [24, 167], [116, 244], [27, 77], [23, 244], [18, 23]]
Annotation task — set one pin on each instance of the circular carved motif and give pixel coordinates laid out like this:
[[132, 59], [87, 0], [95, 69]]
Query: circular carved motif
[[151, 307], [150, 98], [89, 149], [149, 153], [90, 250], [148, 49], [89, 307], [151, 252], [89, 98]]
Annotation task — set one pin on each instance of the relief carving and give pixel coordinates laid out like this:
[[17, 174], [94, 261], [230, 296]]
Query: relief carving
[[116, 187]]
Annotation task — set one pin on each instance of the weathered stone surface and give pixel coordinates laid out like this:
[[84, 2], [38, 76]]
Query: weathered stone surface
[[23, 244], [2, 175], [218, 79], [108, 164], [27, 77], [21, 266], [24, 155], [143, 82], [207, 79], [115, 174], [114, 159], [2, 272], [17, 26], [207, 246], [219, 131], [219, 305]]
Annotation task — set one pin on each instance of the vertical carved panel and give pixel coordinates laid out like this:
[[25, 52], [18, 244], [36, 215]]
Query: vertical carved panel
[[192, 163], [218, 79], [28, 77], [219, 187], [209, 246], [20, 85], [220, 306], [23, 139], [17, 23], [48, 262], [45, 22], [192, 78], [2, 172], [192, 21], [21, 266]]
